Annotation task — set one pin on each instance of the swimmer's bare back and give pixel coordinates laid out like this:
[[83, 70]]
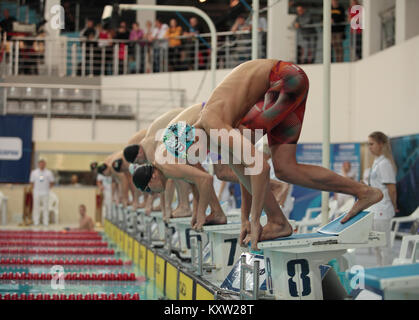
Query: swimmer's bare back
[[149, 143], [240, 91]]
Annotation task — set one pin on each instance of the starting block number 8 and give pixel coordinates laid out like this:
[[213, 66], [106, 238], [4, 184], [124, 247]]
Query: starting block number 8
[[292, 271], [305, 279]]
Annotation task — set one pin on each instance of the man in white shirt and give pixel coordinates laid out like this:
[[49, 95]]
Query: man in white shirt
[[160, 42], [41, 180]]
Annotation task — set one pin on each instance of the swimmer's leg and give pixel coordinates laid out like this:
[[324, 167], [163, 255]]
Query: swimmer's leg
[[182, 191], [316, 177]]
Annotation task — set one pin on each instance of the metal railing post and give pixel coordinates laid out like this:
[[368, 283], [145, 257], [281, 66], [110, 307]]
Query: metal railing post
[[74, 59], [83, 59], [255, 270], [166, 59], [137, 58], [227, 52], [115, 59], [16, 70], [91, 60], [125, 59], [102, 62], [94, 114], [49, 110], [196, 52]]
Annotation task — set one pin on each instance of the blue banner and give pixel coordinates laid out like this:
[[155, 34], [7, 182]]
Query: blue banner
[[406, 155], [15, 148], [311, 153]]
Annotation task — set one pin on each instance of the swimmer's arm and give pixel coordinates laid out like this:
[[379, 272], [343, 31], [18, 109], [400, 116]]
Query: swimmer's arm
[[149, 204], [202, 180], [124, 189], [187, 173], [134, 191]]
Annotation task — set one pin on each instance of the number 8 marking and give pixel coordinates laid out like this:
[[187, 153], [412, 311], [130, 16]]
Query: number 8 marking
[[305, 270]]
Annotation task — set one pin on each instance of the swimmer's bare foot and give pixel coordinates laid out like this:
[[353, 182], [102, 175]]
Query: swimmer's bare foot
[[367, 198], [181, 212], [274, 230], [200, 221], [244, 232], [215, 218], [254, 236]]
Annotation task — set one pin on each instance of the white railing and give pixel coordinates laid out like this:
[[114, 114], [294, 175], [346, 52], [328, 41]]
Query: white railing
[[81, 57], [89, 102]]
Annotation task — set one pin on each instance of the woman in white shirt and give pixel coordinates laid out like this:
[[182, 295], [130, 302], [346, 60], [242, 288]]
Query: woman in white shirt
[[383, 176]]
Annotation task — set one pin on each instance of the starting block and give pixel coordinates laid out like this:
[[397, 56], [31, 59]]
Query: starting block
[[183, 229], [152, 235], [293, 263], [392, 282]]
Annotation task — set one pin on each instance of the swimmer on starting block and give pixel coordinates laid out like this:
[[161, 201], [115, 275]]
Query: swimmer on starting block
[[223, 171], [120, 181], [155, 175], [141, 151], [271, 95], [120, 165]]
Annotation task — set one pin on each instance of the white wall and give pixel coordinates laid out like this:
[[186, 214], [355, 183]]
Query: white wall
[[80, 130], [376, 93], [281, 40]]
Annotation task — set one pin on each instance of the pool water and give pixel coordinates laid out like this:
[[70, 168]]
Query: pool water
[[145, 288]]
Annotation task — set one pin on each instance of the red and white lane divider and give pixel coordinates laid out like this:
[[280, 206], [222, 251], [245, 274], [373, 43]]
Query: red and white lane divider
[[58, 251], [71, 296], [50, 232], [50, 237], [52, 244], [75, 276], [71, 262]]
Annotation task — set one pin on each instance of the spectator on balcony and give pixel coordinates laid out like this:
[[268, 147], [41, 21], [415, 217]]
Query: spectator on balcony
[[241, 50], [105, 43], [7, 23], [306, 36], [356, 30], [172, 36], [136, 33], [136, 36], [89, 29], [70, 21], [123, 35], [159, 43], [338, 29], [188, 55], [262, 30], [240, 24], [148, 38]]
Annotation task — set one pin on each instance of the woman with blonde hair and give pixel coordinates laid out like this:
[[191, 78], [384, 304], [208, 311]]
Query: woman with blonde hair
[[383, 176]]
